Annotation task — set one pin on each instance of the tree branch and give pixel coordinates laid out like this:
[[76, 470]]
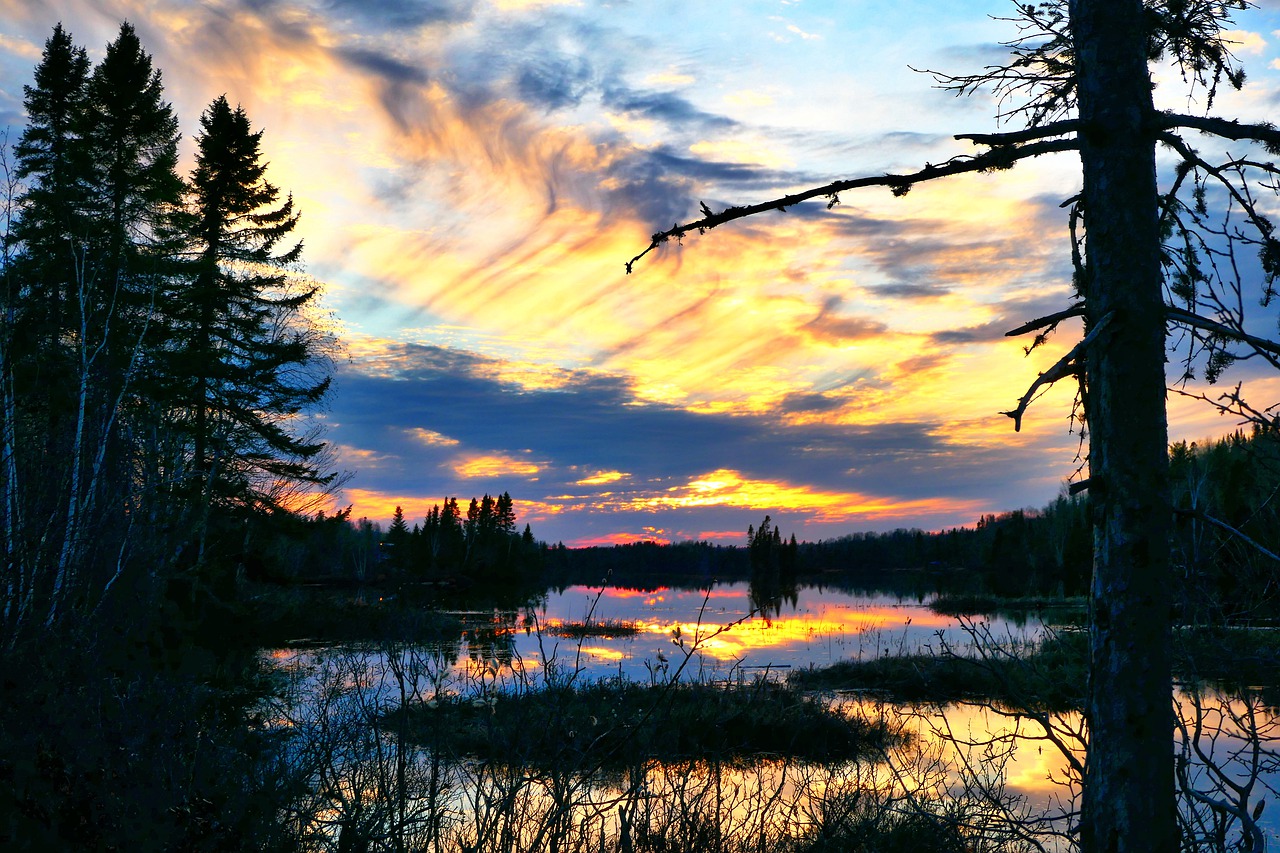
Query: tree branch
[[997, 159], [1209, 519], [1268, 134], [1061, 369], [1047, 320], [1204, 324], [1030, 134]]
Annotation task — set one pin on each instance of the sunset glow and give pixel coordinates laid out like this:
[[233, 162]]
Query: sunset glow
[[473, 174]]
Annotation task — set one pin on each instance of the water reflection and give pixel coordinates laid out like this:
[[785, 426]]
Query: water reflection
[[806, 627], [1028, 766]]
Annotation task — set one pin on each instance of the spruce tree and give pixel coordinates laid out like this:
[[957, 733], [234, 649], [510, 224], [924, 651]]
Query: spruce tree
[[244, 358], [131, 137], [36, 365], [50, 156]]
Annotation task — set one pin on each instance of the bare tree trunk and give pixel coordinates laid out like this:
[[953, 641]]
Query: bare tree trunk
[[1129, 800]]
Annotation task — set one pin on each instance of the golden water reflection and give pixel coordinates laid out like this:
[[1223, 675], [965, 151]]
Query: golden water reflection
[[722, 630], [969, 752]]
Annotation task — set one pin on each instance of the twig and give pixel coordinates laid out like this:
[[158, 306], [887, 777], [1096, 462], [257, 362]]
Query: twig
[[1063, 368], [1077, 310]]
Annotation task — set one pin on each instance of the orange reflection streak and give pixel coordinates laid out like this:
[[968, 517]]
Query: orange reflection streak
[[694, 595], [625, 592], [711, 639], [1035, 768], [604, 653]]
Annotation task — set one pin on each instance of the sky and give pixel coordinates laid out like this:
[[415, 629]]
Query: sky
[[473, 175]]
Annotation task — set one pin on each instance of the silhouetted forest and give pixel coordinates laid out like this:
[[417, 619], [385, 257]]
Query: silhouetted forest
[[160, 346], [1226, 536]]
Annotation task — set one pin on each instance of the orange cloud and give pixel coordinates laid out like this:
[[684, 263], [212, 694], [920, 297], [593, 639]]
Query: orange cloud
[[431, 438], [381, 506], [494, 465], [602, 478], [650, 534], [727, 488]]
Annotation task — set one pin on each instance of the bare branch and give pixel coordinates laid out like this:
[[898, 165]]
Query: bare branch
[[1233, 403], [1030, 134], [1064, 367], [1267, 133], [997, 159], [1208, 519], [1047, 320], [1187, 318]]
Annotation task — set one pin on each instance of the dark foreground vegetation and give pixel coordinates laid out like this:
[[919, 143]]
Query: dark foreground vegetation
[[613, 724]]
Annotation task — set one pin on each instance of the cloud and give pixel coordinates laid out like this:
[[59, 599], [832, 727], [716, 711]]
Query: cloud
[[494, 466], [392, 15], [555, 83], [1244, 41], [594, 423], [380, 64], [833, 328], [667, 107]]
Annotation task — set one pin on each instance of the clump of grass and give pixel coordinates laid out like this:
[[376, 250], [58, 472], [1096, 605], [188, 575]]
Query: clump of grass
[[1057, 609], [608, 628], [1050, 676], [619, 724], [1229, 656]]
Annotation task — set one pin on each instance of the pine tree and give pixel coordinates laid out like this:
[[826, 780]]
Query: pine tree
[[131, 142], [245, 359], [50, 156], [506, 514], [36, 366]]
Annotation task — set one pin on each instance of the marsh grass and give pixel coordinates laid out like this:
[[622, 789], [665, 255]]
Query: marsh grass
[[619, 724], [1071, 610], [1050, 675], [607, 628]]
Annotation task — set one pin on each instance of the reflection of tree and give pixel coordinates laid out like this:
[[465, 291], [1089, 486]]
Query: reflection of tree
[[773, 569], [1227, 744], [491, 644]]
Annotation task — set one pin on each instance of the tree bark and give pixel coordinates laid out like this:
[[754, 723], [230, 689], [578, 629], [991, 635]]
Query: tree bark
[[1129, 802]]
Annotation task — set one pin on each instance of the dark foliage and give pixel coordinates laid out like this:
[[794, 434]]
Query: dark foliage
[[607, 724]]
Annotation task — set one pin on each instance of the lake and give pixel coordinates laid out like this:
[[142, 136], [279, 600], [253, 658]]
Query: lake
[[725, 633], [971, 753]]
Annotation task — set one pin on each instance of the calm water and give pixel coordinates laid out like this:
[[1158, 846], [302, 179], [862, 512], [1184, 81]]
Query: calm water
[[719, 631], [720, 634]]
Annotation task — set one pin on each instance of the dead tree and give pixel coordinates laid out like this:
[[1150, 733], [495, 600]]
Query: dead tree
[[1150, 252]]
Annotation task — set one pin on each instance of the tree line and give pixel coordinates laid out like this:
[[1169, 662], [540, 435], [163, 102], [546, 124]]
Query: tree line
[[160, 346], [1225, 541]]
